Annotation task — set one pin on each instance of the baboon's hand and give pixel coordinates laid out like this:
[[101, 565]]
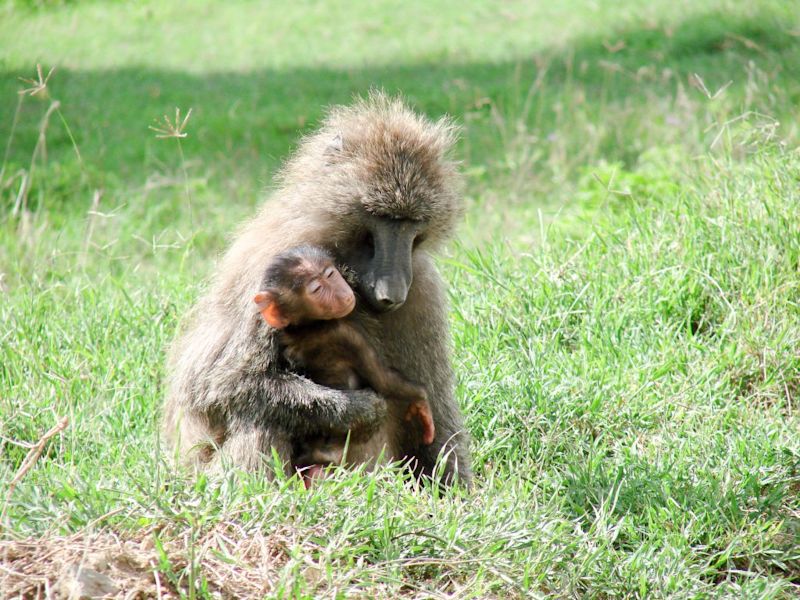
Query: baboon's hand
[[363, 413], [421, 410]]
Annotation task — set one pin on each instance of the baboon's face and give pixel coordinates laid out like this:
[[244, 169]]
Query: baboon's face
[[380, 255]]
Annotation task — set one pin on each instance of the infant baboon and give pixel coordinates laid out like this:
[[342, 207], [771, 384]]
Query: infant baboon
[[375, 188], [306, 298]]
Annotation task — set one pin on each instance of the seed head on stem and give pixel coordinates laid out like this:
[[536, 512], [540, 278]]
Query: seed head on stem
[[38, 86], [172, 129]]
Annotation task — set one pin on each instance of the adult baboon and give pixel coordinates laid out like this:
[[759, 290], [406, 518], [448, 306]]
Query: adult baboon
[[375, 187]]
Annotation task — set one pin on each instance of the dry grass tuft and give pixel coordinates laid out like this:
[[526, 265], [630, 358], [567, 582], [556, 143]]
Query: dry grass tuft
[[226, 561]]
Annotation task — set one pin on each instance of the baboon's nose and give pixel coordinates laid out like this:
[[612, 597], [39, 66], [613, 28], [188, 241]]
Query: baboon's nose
[[387, 297], [387, 303]]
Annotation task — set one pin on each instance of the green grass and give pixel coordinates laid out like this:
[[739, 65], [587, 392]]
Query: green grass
[[624, 295]]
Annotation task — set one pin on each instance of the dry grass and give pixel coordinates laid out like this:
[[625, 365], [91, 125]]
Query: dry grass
[[235, 563]]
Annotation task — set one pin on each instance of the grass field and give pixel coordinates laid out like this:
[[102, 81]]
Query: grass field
[[625, 294]]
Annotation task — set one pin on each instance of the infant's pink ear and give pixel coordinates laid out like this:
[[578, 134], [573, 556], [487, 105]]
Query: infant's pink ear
[[269, 309]]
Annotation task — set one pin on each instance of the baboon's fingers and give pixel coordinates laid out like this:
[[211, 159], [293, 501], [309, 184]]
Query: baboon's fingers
[[422, 412], [428, 428]]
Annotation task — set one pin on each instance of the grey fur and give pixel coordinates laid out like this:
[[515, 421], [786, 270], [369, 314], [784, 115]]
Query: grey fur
[[227, 391]]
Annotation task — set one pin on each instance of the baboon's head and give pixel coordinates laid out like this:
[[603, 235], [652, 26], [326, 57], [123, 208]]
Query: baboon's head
[[383, 189]]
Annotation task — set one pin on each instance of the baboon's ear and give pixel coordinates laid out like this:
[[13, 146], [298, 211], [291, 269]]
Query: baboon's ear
[[269, 309], [335, 146]]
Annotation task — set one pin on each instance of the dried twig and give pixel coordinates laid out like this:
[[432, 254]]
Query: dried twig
[[30, 459]]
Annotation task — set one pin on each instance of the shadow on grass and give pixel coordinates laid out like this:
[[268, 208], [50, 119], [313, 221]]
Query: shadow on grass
[[244, 122]]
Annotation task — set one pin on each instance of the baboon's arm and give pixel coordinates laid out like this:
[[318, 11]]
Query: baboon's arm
[[242, 382], [306, 408], [372, 369]]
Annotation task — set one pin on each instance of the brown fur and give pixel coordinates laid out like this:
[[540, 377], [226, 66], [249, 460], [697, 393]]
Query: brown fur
[[337, 354], [227, 389]]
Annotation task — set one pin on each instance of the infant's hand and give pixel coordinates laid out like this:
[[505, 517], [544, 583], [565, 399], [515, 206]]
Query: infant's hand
[[421, 410]]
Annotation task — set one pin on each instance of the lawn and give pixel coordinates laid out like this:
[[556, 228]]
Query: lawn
[[625, 295]]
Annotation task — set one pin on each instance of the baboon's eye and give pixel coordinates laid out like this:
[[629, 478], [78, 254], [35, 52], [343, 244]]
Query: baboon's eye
[[329, 272], [368, 242], [419, 239], [314, 288]]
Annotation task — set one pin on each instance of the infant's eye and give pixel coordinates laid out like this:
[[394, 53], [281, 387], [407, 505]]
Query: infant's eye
[[329, 273], [314, 288]]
